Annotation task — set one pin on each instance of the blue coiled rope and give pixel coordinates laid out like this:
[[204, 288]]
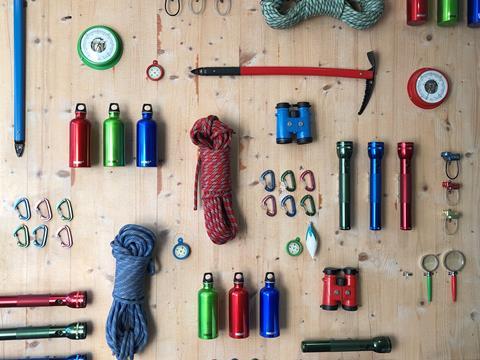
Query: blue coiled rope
[[370, 13], [126, 327]]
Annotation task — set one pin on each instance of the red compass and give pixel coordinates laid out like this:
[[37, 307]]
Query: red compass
[[428, 88], [155, 71]]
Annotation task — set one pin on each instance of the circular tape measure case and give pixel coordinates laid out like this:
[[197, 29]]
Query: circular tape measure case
[[100, 47]]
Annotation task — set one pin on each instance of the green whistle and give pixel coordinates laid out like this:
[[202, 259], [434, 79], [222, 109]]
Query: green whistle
[[207, 309], [344, 153], [75, 331], [447, 12], [113, 138], [379, 344]]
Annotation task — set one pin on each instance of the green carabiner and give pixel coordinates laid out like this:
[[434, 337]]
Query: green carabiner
[[40, 243], [293, 185], [26, 203], [309, 208], [26, 236], [59, 207]]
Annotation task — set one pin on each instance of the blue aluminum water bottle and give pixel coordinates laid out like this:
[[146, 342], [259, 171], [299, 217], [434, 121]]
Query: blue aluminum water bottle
[[146, 138], [269, 303], [375, 153], [474, 13]]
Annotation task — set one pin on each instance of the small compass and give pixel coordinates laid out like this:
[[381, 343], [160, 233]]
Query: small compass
[[181, 250], [100, 47], [428, 88], [155, 71], [294, 247]]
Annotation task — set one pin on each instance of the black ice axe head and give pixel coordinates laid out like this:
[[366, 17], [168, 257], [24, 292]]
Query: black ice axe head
[[370, 82]]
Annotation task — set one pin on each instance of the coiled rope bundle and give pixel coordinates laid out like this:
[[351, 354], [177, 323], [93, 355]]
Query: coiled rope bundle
[[126, 327], [213, 139], [371, 11]]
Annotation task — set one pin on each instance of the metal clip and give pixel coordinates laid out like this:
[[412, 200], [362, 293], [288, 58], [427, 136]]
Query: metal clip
[[48, 208], [40, 243], [193, 8], [227, 8], [293, 185], [59, 207], [67, 230], [269, 183], [309, 185], [309, 208], [451, 218], [293, 209], [26, 236], [451, 189], [271, 210], [450, 157], [16, 207]]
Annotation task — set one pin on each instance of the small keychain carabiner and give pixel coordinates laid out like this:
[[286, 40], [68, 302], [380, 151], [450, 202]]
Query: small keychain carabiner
[[45, 203], [268, 179], [25, 242], [40, 243], [58, 234], [270, 205], [17, 207], [59, 207], [289, 185], [292, 211], [227, 9], [452, 192], [451, 220], [310, 183], [167, 7], [450, 158]]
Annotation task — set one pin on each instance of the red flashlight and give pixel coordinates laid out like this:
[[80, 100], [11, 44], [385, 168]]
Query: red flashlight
[[238, 309], [417, 12], [76, 299], [405, 153], [80, 130]]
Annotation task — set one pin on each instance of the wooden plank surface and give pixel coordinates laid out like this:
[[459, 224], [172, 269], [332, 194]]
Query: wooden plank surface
[[162, 198]]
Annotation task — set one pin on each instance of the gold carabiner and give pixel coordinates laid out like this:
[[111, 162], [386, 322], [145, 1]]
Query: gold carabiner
[[58, 234], [48, 208]]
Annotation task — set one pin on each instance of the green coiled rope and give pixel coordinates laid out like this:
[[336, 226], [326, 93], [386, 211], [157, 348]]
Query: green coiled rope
[[371, 11]]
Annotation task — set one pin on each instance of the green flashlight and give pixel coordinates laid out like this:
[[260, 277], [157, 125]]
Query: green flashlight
[[447, 12], [113, 138], [75, 331], [379, 344], [344, 153]]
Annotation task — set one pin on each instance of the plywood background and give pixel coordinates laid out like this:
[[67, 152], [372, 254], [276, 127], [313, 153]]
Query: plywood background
[[162, 198]]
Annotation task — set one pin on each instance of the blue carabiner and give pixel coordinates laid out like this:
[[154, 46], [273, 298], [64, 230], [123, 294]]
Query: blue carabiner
[[16, 207], [40, 243], [293, 211], [269, 184]]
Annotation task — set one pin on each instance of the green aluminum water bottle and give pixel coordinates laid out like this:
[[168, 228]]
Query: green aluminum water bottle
[[447, 12], [113, 138], [207, 309]]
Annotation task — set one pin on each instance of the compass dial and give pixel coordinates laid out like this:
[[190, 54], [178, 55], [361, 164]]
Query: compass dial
[[428, 88], [294, 247], [99, 47], [181, 250], [155, 71]]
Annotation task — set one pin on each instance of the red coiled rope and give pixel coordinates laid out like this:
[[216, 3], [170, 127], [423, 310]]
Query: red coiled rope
[[213, 168]]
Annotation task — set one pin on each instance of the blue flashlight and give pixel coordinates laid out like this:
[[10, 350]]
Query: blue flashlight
[[147, 139], [474, 13], [72, 357], [269, 308], [375, 153]]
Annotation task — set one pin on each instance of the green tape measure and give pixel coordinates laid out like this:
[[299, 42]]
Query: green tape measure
[[100, 47]]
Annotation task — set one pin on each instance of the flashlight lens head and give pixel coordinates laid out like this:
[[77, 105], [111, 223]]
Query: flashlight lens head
[[375, 149], [77, 299], [76, 331], [382, 344], [344, 149], [405, 150]]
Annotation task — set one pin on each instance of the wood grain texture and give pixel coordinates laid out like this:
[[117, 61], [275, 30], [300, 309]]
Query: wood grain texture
[[162, 198]]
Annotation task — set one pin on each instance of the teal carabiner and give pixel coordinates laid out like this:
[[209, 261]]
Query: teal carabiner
[[309, 208], [292, 186], [268, 179], [40, 243], [59, 207], [26, 236], [26, 203], [293, 209]]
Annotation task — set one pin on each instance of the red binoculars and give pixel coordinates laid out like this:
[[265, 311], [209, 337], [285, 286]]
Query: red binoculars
[[340, 290]]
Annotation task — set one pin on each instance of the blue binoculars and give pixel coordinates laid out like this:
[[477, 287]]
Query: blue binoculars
[[293, 120]]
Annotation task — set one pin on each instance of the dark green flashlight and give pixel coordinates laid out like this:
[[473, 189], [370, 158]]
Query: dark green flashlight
[[344, 153], [379, 344], [75, 331]]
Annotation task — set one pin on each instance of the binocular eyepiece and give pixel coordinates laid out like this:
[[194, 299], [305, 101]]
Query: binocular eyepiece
[[293, 120]]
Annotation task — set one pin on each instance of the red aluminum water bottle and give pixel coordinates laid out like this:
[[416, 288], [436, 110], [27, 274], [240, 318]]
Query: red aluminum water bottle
[[80, 130], [417, 12], [238, 308]]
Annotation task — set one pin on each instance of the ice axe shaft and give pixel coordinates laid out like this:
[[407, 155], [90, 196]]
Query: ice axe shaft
[[368, 75]]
